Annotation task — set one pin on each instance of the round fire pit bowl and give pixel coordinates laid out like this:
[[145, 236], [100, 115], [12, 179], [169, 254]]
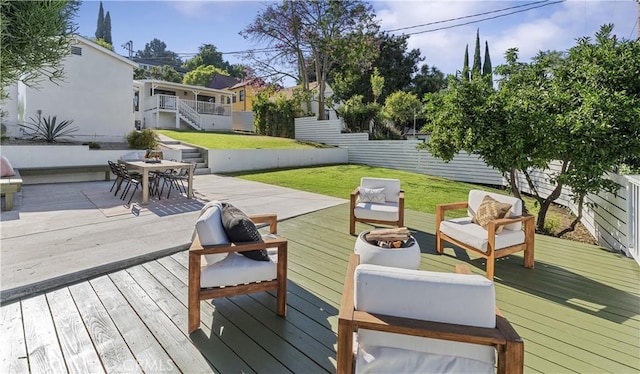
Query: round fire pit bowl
[[407, 256]]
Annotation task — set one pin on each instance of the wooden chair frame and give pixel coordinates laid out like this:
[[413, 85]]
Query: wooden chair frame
[[353, 219], [491, 254], [197, 293], [503, 337]]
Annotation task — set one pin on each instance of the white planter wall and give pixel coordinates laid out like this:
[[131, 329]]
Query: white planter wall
[[230, 160]]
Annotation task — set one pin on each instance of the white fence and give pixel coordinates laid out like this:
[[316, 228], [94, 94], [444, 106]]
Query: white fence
[[613, 220]]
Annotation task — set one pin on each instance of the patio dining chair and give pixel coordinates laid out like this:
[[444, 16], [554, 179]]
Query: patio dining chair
[[425, 322], [228, 257]]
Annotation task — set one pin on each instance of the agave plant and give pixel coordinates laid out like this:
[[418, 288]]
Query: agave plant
[[48, 129]]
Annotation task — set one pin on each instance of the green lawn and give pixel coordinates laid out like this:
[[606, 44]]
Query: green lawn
[[422, 192], [211, 140]]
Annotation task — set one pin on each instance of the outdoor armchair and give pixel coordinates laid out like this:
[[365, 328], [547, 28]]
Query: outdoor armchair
[[377, 200], [218, 268], [494, 227], [395, 320]]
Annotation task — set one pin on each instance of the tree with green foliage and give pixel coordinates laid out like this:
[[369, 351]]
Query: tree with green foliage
[[156, 50], [465, 66], [327, 32], [476, 69], [100, 24], [207, 55], [428, 79], [202, 75], [35, 37], [401, 108], [103, 43], [578, 110], [359, 116], [395, 62], [377, 84], [165, 73], [487, 70], [274, 113], [107, 29]]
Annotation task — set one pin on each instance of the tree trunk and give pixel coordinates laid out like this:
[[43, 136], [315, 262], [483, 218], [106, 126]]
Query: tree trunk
[[515, 188]]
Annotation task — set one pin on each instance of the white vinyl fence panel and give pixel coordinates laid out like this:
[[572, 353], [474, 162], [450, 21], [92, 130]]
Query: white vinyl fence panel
[[612, 219]]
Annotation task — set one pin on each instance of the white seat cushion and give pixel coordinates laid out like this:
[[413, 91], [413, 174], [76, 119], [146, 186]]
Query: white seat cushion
[[237, 269], [383, 212], [464, 230], [432, 296]]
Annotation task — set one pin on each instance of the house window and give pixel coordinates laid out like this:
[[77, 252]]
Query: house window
[[229, 100], [234, 98], [136, 102], [326, 114], [76, 51], [241, 95]]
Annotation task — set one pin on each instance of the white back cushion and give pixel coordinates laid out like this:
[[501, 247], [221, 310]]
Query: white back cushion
[[391, 187], [440, 297], [432, 296], [210, 230], [476, 197]]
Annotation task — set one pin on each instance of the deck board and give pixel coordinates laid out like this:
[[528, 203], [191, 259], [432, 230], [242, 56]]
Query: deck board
[[74, 339], [578, 310]]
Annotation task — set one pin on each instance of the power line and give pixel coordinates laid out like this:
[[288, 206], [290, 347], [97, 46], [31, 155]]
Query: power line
[[464, 17], [484, 19]]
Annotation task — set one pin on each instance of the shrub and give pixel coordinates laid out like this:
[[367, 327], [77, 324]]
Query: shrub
[[145, 139], [48, 129], [93, 145]]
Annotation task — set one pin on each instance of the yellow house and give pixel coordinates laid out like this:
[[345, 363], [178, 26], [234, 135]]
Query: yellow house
[[242, 100]]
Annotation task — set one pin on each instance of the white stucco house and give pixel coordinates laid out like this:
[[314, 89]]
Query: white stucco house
[[167, 105], [96, 94], [329, 112]]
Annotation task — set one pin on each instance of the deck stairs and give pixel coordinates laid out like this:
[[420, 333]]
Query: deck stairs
[[188, 115]]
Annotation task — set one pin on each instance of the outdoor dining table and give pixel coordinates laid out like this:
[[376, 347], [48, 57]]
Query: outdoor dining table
[[145, 167]]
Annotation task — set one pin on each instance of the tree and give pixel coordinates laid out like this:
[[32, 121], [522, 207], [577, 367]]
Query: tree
[[377, 84], [107, 29], [476, 68], [157, 50], [395, 62], [429, 79], [103, 43], [465, 66], [202, 75], [165, 73], [35, 37], [487, 70], [207, 55], [579, 110], [401, 108], [327, 32], [100, 25]]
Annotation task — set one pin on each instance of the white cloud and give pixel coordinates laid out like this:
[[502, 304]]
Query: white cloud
[[192, 9]]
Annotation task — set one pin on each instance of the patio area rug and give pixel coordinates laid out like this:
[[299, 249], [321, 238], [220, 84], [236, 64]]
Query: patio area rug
[[112, 206]]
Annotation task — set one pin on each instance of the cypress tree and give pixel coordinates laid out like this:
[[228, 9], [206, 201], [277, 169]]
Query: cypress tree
[[477, 68], [486, 67], [100, 26], [107, 29], [465, 67]]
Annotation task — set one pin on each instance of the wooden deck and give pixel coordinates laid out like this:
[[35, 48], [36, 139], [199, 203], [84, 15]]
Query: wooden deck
[[578, 311]]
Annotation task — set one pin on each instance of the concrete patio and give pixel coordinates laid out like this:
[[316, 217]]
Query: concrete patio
[[56, 234]]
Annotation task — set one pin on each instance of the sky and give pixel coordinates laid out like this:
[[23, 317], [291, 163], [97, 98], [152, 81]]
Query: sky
[[533, 26]]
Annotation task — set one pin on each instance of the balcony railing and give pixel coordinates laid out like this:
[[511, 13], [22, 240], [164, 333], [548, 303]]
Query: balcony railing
[[169, 102]]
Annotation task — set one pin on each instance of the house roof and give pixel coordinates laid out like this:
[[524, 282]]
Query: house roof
[[97, 47], [220, 81], [288, 91], [180, 86]]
